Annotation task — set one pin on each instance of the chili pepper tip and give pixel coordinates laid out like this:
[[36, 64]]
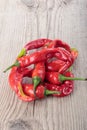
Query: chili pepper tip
[[15, 64]]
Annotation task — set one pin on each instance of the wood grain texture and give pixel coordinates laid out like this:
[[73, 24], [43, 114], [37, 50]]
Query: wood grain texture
[[63, 19]]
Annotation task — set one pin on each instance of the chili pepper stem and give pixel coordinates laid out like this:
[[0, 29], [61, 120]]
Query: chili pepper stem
[[49, 92], [15, 64], [63, 78], [36, 81], [22, 53]]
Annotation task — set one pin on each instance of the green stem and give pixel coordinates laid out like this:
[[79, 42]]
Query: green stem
[[49, 92], [15, 64], [36, 81], [22, 53], [63, 78]]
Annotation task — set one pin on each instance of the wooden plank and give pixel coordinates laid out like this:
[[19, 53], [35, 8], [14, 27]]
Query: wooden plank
[[63, 19]]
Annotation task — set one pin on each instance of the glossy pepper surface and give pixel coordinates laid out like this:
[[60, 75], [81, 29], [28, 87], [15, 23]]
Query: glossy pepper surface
[[50, 75], [25, 92], [40, 56], [33, 45], [65, 89], [38, 74], [57, 78], [41, 91]]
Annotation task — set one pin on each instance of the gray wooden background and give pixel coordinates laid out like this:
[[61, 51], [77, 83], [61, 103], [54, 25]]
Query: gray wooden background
[[63, 19]]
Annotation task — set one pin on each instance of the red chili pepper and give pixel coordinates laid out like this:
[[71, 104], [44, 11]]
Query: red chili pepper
[[65, 89], [27, 72], [33, 45], [38, 74], [15, 81], [57, 65], [59, 43], [40, 56], [41, 91], [60, 65], [57, 78]]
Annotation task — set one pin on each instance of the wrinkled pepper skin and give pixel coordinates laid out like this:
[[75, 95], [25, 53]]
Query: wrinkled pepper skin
[[27, 93], [59, 43], [37, 44], [33, 45], [44, 43], [51, 72], [57, 65], [42, 56], [66, 88], [39, 56]]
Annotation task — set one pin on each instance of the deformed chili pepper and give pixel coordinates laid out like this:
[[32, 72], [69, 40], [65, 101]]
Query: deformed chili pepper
[[57, 78], [38, 74], [33, 45], [39, 56], [41, 91]]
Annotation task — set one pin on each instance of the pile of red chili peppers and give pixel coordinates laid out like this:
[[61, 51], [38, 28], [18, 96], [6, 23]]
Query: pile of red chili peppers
[[51, 74]]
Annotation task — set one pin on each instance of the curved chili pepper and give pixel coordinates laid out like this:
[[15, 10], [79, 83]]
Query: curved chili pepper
[[39, 56], [15, 81], [38, 74], [57, 78], [41, 91], [65, 89], [59, 43], [33, 45]]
